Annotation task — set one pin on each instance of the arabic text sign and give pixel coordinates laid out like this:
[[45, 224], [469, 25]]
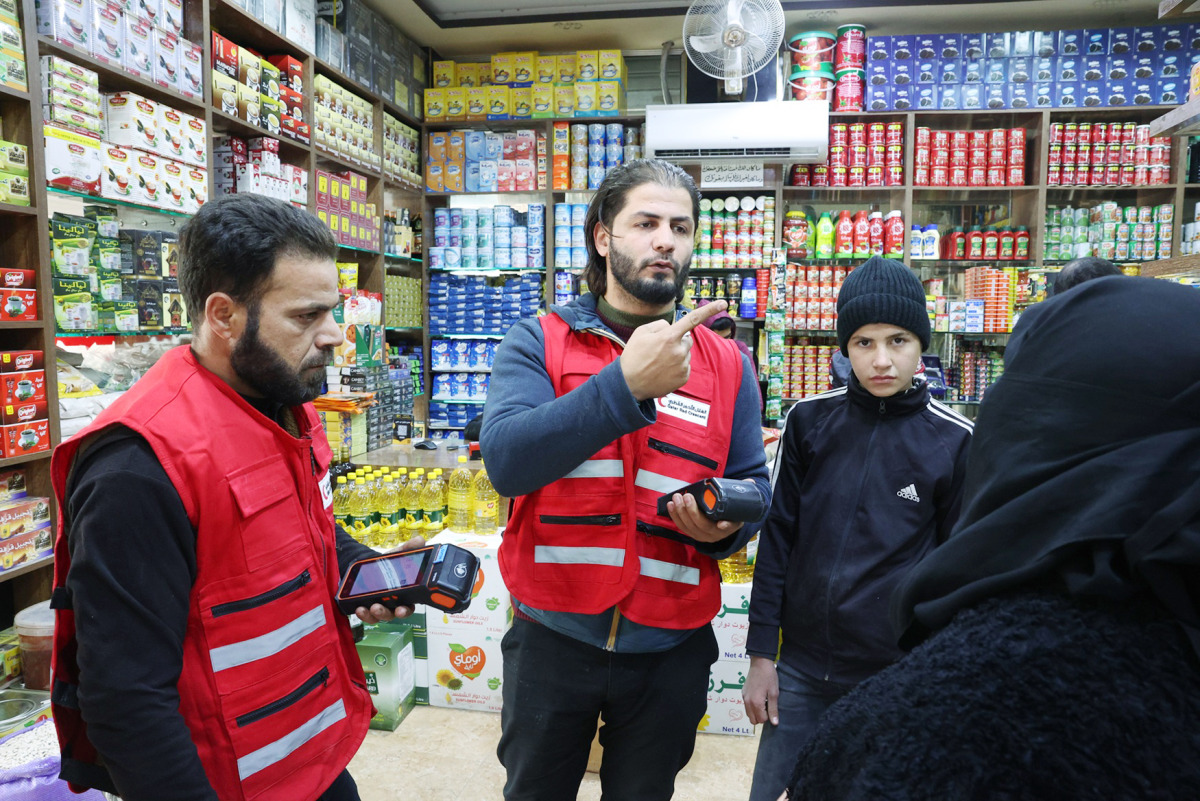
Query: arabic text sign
[[726, 174]]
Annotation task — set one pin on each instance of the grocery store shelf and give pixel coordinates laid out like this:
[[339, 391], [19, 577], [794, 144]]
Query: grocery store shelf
[[1181, 267], [290, 150], [401, 258], [52, 190], [393, 180], [1177, 9], [29, 567], [406, 117], [833, 190], [113, 78], [16, 325], [405, 328], [8, 91], [505, 271], [1110, 189], [13, 208], [356, 249], [530, 122], [468, 336], [540, 193], [346, 162], [441, 427], [12, 461], [457, 400], [1183, 120], [459, 370], [235, 24]]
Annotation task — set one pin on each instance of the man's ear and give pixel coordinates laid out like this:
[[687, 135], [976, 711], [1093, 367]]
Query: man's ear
[[224, 317], [601, 236]]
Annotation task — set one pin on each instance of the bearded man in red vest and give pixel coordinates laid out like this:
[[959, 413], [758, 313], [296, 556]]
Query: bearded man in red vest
[[199, 653], [594, 411]]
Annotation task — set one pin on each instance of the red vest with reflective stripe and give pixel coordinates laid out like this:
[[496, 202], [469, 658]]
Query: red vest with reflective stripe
[[594, 539], [271, 686]]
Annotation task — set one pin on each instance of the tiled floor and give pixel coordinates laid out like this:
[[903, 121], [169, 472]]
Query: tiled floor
[[450, 755]]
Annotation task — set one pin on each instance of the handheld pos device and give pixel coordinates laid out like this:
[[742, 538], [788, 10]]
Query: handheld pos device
[[440, 575]]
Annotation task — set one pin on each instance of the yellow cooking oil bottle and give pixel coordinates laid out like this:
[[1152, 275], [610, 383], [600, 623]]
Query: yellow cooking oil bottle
[[414, 514], [391, 514], [360, 511], [738, 568], [487, 503], [341, 503], [431, 503], [458, 504]]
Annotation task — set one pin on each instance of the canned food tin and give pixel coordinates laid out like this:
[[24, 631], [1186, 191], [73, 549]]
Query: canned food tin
[[920, 176], [1085, 155], [939, 176], [1016, 156], [977, 176], [959, 157], [837, 156], [1056, 133], [940, 139], [895, 134], [874, 175], [1112, 175], [1055, 156], [876, 133], [839, 134], [820, 175], [958, 176], [838, 176], [923, 137], [996, 176], [1085, 133], [922, 157], [893, 175], [997, 157], [1141, 135], [1070, 134], [857, 156], [857, 176], [998, 137], [857, 134], [1083, 175]]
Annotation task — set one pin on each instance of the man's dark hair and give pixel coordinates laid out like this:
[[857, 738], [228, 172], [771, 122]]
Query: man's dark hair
[[1076, 272], [233, 242], [609, 201]]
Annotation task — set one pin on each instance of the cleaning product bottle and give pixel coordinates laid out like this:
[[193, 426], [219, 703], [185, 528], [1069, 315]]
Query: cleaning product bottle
[[458, 516], [360, 511], [843, 238], [414, 514], [487, 503], [431, 504], [825, 237], [862, 235]]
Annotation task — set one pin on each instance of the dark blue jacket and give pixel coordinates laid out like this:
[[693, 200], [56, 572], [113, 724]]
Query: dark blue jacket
[[863, 489]]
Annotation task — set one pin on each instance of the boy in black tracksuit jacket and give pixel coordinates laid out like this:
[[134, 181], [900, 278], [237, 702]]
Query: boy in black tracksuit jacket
[[867, 481]]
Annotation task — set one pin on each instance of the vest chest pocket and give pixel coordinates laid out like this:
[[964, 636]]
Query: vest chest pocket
[[271, 522]]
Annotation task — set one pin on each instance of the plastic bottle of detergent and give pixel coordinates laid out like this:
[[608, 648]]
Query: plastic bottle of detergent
[[360, 511], [825, 237], [487, 503], [431, 503], [414, 514], [459, 503], [843, 239]]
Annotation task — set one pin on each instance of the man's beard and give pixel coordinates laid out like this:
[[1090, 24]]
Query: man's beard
[[653, 290], [265, 371]]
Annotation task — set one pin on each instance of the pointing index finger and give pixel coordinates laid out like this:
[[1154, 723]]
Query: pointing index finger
[[695, 317]]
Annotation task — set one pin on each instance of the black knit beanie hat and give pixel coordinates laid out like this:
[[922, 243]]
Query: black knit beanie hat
[[882, 291]]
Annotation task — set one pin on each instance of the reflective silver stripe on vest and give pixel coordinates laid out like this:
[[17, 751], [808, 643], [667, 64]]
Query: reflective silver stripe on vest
[[668, 571], [598, 468], [656, 482], [269, 644], [586, 555], [282, 748]]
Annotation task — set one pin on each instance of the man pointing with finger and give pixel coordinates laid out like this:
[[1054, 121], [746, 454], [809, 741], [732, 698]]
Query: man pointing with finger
[[593, 412]]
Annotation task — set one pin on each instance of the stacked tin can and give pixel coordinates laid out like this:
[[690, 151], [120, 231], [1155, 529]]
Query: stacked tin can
[[969, 158], [570, 248], [1107, 154], [807, 366], [976, 368], [594, 150], [704, 289], [733, 232], [489, 238], [1110, 231], [1190, 243], [860, 154], [811, 297]]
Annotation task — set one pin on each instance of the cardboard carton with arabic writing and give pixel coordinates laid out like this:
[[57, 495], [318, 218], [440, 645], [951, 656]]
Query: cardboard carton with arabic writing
[[732, 621], [725, 713]]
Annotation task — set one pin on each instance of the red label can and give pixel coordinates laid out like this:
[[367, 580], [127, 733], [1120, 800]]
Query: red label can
[[895, 134], [1085, 133], [924, 136], [877, 154], [1016, 156], [1070, 133], [1097, 176], [1100, 133], [1158, 174], [1141, 175], [837, 156], [958, 175], [977, 175], [1054, 158], [1085, 155], [921, 156], [1056, 133], [1158, 155], [1116, 132], [939, 158], [996, 177], [857, 176], [1054, 175], [858, 156], [1016, 175], [858, 133], [1016, 136], [875, 175], [1112, 175], [801, 175], [920, 175], [849, 90], [959, 139], [998, 137], [838, 134], [851, 49], [820, 175], [997, 156], [1127, 175], [1068, 174], [876, 133], [939, 176], [893, 175], [1099, 154], [1083, 175], [940, 140], [839, 176], [1128, 154], [1141, 155], [894, 156], [959, 157], [979, 139], [1141, 134], [977, 157], [1070, 153]]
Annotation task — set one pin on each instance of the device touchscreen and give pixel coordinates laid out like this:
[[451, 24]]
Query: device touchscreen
[[381, 575]]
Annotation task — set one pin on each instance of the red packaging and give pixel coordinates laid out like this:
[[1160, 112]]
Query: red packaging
[[224, 56], [839, 176], [997, 157], [13, 413], [19, 361], [1068, 174], [977, 157], [1116, 133], [291, 71], [895, 155], [998, 137], [959, 157], [1070, 154], [1054, 158], [874, 175], [1141, 175], [877, 155], [18, 304], [837, 156], [958, 176], [851, 49], [895, 134], [921, 157], [893, 234], [1127, 154], [20, 278], [1056, 133], [977, 176], [979, 140], [1054, 175], [893, 175], [1016, 156], [875, 233], [1158, 155], [1097, 176], [1085, 133], [858, 133], [924, 136], [857, 156], [1127, 175], [23, 438], [876, 133], [940, 140], [800, 175], [1016, 175], [820, 175], [1158, 175], [1083, 175], [857, 176], [1084, 158], [22, 387], [1099, 154], [995, 176], [959, 140], [838, 134], [1112, 175], [940, 157], [939, 176], [1100, 133], [920, 176], [1141, 134]]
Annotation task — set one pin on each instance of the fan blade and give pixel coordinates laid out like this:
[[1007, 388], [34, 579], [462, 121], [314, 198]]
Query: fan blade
[[733, 12], [705, 44]]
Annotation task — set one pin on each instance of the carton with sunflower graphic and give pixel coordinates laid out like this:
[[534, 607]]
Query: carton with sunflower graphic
[[490, 611], [465, 670]]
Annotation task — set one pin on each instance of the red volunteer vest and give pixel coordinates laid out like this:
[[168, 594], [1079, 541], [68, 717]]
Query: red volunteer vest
[[594, 539], [271, 688]]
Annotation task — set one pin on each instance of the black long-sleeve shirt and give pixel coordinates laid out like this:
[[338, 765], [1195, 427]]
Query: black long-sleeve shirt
[[133, 564]]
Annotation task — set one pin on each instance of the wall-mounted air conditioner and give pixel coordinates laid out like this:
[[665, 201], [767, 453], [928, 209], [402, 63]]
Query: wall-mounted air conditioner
[[776, 131]]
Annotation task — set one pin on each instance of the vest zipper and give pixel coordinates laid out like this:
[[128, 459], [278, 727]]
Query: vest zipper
[[682, 453], [319, 679], [600, 332], [265, 598], [584, 520], [651, 530], [611, 644], [882, 408]]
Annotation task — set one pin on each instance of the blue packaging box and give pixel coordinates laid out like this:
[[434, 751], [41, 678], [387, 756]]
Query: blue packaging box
[[1171, 66], [1045, 44], [904, 73], [1169, 91], [926, 46], [927, 97], [999, 45], [996, 71], [1097, 41], [996, 96], [1146, 66], [879, 48], [927, 71], [1020, 69], [1118, 93], [1094, 68], [1066, 94], [1072, 42], [1121, 67], [950, 97], [949, 45], [879, 97], [1069, 69], [903, 98], [1091, 95], [1044, 70], [971, 97], [972, 71], [879, 73], [1122, 41], [1020, 95], [950, 72], [1043, 95], [904, 48], [1144, 91], [1020, 44], [1172, 38], [973, 45]]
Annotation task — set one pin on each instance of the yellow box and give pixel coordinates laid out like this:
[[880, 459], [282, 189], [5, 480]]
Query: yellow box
[[502, 68], [435, 104], [456, 147], [585, 99], [567, 67], [477, 103], [467, 75], [435, 149], [524, 67], [543, 100], [587, 65], [453, 178], [610, 97], [612, 66], [521, 102], [564, 100], [485, 73], [434, 176], [443, 74], [547, 69], [499, 103], [456, 103]]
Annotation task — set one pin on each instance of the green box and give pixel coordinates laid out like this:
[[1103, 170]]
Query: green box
[[387, 659]]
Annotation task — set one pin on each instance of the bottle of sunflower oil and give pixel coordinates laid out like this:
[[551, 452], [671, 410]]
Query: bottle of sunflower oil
[[458, 515], [738, 568], [360, 511], [431, 504], [414, 514], [341, 503], [391, 520], [487, 503]]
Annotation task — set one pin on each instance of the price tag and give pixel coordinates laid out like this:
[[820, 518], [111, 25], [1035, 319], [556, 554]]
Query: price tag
[[728, 174]]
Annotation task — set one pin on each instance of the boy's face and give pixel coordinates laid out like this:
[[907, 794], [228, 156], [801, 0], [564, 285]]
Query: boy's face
[[884, 358]]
